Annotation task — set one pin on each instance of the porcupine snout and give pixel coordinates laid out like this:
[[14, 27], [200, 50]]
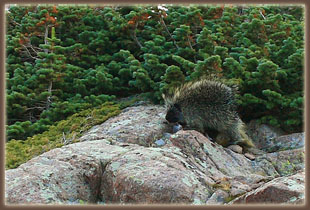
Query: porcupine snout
[[175, 115]]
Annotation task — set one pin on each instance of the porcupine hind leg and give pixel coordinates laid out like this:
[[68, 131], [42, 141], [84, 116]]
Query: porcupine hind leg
[[237, 134]]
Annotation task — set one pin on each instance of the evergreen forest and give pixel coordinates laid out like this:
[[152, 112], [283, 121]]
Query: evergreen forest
[[64, 59]]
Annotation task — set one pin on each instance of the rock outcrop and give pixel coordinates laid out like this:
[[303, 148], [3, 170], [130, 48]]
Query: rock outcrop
[[122, 161], [288, 190], [272, 139], [137, 125]]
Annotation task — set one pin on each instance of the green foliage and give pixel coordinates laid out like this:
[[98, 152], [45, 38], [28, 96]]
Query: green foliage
[[170, 82], [65, 131], [65, 59]]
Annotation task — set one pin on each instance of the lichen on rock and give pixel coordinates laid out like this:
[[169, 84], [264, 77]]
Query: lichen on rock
[[118, 162]]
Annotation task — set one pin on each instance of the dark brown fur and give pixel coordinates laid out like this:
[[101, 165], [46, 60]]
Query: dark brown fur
[[207, 106]]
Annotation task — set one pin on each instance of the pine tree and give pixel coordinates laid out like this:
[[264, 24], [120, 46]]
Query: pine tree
[[64, 59]]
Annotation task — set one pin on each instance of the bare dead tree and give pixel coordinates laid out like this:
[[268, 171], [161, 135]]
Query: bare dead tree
[[134, 35]]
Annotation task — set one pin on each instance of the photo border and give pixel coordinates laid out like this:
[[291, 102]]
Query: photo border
[[128, 2]]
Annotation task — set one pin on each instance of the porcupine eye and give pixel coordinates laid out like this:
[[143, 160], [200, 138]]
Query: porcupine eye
[[174, 114]]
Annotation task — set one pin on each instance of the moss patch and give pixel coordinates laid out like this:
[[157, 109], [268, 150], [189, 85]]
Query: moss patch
[[64, 132], [230, 198]]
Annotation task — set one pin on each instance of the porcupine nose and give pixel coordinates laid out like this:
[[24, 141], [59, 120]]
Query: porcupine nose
[[171, 118]]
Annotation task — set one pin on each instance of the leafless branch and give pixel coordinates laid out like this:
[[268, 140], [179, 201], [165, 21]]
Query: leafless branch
[[49, 98], [135, 35], [189, 42], [36, 107], [46, 36], [30, 45], [164, 24], [16, 23], [29, 52], [262, 14]]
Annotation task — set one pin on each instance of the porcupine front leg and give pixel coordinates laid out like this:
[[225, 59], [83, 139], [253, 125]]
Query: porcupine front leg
[[210, 133]]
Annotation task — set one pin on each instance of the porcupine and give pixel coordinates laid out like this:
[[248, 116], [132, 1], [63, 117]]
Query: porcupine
[[208, 107]]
